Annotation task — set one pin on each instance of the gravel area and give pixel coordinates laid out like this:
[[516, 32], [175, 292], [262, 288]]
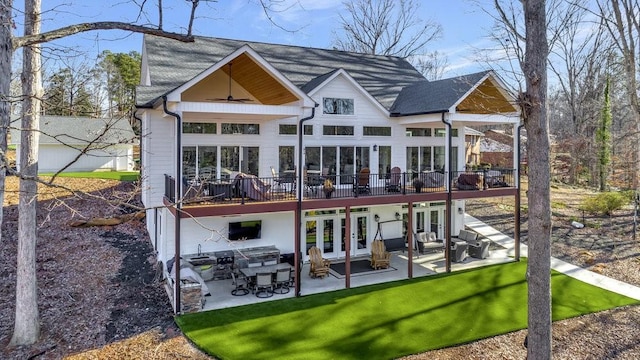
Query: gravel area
[[100, 295]]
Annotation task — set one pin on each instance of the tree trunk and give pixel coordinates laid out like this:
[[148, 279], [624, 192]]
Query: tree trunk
[[27, 323], [6, 51], [537, 125]]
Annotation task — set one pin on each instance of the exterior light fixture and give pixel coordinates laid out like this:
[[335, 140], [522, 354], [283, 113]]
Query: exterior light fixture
[[375, 147], [460, 211], [376, 217], [397, 216]]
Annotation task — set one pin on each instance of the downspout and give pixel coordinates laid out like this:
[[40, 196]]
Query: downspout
[[299, 184], [516, 227], [178, 202], [447, 228]]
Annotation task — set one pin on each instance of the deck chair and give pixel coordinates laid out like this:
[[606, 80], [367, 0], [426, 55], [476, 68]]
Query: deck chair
[[394, 180], [362, 186], [380, 257], [319, 266], [312, 182], [285, 181]]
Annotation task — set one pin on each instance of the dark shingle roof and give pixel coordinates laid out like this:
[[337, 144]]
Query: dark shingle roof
[[172, 63], [436, 96]]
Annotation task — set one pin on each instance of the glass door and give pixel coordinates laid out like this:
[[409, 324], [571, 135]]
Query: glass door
[[358, 236], [436, 218]]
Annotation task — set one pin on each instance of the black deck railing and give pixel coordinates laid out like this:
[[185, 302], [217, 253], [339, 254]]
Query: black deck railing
[[249, 188]]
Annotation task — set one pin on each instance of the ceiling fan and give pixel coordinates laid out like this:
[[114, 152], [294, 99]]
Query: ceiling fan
[[230, 97]]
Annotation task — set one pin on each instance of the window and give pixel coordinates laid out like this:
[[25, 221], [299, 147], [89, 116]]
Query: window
[[199, 162], [288, 129], [418, 132], [286, 158], [337, 130], [376, 131], [198, 128], [247, 129], [337, 106], [384, 159], [308, 129], [441, 132]]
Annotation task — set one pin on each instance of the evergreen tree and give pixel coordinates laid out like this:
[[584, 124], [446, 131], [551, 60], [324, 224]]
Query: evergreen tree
[[603, 137]]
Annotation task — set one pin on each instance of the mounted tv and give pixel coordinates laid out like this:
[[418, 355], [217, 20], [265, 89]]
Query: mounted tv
[[245, 230]]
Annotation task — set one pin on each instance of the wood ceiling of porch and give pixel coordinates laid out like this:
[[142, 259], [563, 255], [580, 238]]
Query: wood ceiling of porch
[[486, 99]]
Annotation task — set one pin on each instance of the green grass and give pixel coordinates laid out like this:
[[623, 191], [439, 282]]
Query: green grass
[[386, 321], [110, 175]]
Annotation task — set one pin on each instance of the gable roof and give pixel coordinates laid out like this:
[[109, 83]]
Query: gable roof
[[428, 97], [80, 131], [172, 63]]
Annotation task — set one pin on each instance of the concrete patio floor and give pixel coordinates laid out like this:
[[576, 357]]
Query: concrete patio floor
[[423, 265]]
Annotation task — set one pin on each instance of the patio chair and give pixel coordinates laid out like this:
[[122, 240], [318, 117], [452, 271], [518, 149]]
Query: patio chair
[[458, 251], [362, 185], [241, 284], [428, 242], [285, 181], [282, 282], [380, 257], [394, 180], [319, 266], [312, 181], [264, 285], [479, 248]]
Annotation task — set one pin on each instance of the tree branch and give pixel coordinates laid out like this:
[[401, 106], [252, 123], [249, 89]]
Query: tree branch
[[19, 42]]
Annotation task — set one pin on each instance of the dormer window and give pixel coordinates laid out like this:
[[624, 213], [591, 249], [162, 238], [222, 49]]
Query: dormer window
[[337, 106]]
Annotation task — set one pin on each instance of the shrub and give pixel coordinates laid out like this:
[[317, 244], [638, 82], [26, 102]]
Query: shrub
[[604, 203]]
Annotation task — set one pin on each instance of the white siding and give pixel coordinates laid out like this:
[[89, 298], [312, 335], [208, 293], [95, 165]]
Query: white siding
[[211, 233], [158, 155], [52, 158]]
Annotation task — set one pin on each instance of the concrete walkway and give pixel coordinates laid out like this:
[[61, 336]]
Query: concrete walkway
[[575, 272]]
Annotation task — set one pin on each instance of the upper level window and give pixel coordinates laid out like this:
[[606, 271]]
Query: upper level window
[[286, 129], [376, 131], [198, 128], [418, 132], [308, 129], [248, 129], [441, 132], [337, 130], [337, 106]]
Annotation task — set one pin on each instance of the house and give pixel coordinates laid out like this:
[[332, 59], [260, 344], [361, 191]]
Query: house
[[81, 144], [239, 138]]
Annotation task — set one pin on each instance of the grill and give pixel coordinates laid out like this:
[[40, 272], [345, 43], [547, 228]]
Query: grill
[[224, 257]]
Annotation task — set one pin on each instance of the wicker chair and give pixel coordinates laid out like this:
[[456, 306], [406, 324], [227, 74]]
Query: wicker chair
[[380, 257], [319, 265]]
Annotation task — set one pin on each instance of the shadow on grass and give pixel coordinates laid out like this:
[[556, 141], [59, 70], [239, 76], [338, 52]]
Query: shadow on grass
[[388, 320]]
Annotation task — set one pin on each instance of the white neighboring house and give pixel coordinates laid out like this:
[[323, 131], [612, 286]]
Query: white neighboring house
[[81, 144]]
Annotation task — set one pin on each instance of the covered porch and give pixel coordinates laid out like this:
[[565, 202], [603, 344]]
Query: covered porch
[[421, 265]]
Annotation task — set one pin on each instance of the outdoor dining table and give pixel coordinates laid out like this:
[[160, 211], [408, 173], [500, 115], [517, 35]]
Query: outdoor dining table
[[250, 272]]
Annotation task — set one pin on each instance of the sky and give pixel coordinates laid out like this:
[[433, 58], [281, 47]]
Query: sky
[[309, 23]]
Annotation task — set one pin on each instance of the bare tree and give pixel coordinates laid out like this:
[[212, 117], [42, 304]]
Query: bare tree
[[385, 27], [527, 42], [577, 57], [26, 327], [621, 20], [431, 65], [534, 102]]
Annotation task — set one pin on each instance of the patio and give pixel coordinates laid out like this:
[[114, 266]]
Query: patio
[[423, 265]]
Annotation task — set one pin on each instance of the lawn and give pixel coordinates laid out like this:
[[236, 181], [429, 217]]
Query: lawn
[[109, 175], [386, 321]]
